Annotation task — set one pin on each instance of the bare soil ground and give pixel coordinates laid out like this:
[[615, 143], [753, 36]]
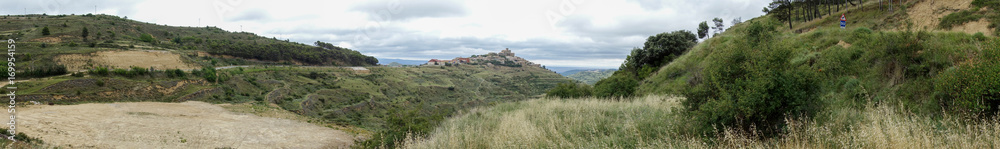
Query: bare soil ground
[[125, 59], [169, 125], [844, 44], [928, 13]]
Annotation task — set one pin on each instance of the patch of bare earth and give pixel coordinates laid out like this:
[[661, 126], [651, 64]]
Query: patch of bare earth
[[124, 59], [48, 39], [844, 44], [190, 124], [980, 26], [927, 14]]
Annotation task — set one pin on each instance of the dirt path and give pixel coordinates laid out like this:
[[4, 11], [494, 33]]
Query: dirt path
[[169, 125]]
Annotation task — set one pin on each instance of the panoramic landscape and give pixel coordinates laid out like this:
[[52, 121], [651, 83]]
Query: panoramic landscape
[[505, 74]]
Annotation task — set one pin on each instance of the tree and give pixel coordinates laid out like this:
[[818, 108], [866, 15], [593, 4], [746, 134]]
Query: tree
[[737, 21], [45, 31], [751, 87], [782, 10], [703, 29], [146, 38], [719, 26], [85, 32], [620, 85], [327, 46], [659, 50]]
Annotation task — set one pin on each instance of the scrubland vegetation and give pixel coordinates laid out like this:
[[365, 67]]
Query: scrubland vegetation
[[875, 84], [658, 121], [48, 36], [387, 103], [758, 85]]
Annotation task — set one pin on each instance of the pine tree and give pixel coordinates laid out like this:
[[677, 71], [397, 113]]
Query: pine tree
[[45, 31], [85, 32]]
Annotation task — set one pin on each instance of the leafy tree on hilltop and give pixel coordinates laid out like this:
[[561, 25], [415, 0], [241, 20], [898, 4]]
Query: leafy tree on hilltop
[[327, 46], [703, 29], [659, 50], [781, 10], [719, 26]]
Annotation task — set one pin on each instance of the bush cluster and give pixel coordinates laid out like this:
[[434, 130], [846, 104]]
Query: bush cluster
[[620, 84], [43, 70], [658, 50], [751, 87], [972, 88]]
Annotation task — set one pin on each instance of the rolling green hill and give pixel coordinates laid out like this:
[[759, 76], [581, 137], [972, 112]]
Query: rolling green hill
[[382, 104], [589, 76], [760, 84], [389, 101], [104, 32]]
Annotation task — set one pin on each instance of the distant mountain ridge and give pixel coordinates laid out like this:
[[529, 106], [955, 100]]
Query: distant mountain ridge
[[55, 35], [589, 76]]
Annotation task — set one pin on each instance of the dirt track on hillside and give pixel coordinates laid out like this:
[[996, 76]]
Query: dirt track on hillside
[[169, 125], [125, 59], [927, 14]]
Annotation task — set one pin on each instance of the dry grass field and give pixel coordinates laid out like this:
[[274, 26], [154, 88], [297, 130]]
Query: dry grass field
[[169, 125], [648, 122]]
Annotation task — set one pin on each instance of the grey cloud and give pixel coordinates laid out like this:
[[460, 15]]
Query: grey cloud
[[642, 27], [251, 15], [649, 4], [310, 29], [406, 10], [124, 7]]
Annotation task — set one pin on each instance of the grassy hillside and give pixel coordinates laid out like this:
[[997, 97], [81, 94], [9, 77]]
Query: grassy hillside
[[386, 103], [589, 76], [104, 32], [654, 122], [889, 66], [875, 84]]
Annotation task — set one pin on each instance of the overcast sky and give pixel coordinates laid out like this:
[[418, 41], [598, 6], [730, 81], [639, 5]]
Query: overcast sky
[[565, 33]]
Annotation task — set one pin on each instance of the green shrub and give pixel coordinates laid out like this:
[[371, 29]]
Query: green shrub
[[209, 74], [175, 73], [44, 69], [974, 87], [45, 31], [994, 4], [122, 72], [958, 18], [751, 87], [861, 33], [22, 137], [570, 90], [102, 71], [618, 85], [979, 36], [146, 38]]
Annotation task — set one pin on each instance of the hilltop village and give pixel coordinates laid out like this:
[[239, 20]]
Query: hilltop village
[[504, 58]]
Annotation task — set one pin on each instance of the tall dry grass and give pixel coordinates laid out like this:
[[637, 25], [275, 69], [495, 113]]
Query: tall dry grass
[[879, 127], [648, 122]]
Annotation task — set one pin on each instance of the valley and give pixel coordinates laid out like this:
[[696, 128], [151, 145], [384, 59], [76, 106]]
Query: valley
[[898, 74]]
